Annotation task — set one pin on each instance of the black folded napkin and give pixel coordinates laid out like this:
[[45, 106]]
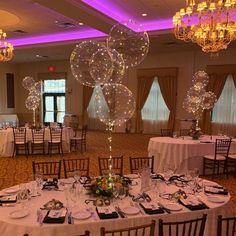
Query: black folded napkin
[[176, 177], [216, 190], [200, 206], [111, 215], [151, 211], [50, 184], [157, 176], [85, 179], [50, 219], [8, 199], [206, 141]]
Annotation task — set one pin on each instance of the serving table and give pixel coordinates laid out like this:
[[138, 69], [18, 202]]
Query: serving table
[[7, 139], [182, 153], [31, 226]]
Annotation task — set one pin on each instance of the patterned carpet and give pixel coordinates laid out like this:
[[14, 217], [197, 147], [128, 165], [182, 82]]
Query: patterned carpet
[[19, 169]]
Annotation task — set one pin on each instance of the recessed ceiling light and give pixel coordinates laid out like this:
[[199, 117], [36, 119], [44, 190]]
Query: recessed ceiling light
[[144, 14], [41, 56], [81, 23]]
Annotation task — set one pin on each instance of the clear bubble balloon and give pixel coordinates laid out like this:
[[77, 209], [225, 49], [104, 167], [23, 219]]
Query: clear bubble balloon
[[32, 102], [130, 40], [195, 95], [118, 67], [114, 103], [202, 77], [79, 61], [209, 99], [28, 83], [199, 86], [38, 87], [34, 93], [101, 65]]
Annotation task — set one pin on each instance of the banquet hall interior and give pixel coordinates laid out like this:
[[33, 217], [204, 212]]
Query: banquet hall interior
[[165, 79]]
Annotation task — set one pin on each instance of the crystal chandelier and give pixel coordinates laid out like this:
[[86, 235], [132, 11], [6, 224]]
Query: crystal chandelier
[[6, 49], [208, 23]]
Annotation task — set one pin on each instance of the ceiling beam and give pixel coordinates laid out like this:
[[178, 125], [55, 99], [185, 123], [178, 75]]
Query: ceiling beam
[[80, 12]]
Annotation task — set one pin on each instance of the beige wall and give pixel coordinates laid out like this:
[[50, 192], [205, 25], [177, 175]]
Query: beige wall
[[6, 67], [188, 62]]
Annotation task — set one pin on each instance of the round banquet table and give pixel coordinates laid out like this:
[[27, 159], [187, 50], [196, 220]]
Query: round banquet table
[[183, 153], [7, 139], [29, 224]]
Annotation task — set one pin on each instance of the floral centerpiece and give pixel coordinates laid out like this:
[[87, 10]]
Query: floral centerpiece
[[104, 185], [195, 131]]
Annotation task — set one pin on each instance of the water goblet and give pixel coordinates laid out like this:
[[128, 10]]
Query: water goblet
[[76, 175], [39, 179], [73, 194], [23, 195]]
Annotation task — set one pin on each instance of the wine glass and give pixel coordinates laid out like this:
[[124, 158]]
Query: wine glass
[[23, 195], [39, 179], [73, 195], [76, 175], [122, 192]]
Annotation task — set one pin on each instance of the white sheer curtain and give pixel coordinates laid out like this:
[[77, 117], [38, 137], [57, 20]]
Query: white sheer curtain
[[93, 120], [224, 112], [155, 113]]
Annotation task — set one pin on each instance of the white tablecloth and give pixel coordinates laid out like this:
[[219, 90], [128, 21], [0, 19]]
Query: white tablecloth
[[6, 140], [182, 154], [29, 224]]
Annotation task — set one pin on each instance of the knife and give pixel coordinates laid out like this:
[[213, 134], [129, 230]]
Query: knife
[[121, 213], [164, 208]]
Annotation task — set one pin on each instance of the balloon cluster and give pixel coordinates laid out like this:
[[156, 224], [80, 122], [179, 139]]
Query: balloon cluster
[[103, 65], [34, 88], [197, 98]]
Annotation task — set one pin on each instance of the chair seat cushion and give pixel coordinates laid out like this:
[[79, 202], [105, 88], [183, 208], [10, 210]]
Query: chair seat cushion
[[232, 156], [212, 157], [38, 142], [55, 141], [76, 139], [20, 142]]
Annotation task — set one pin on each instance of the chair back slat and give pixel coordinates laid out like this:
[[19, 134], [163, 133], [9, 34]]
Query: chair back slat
[[81, 164], [226, 226], [137, 163], [222, 147], [19, 135], [117, 165], [38, 135], [48, 169], [55, 134], [141, 230], [185, 228]]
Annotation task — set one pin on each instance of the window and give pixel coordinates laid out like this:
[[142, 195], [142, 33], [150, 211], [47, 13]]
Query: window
[[155, 113], [54, 100], [225, 109]]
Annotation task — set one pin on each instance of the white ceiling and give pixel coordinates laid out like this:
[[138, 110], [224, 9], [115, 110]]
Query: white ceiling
[[38, 17]]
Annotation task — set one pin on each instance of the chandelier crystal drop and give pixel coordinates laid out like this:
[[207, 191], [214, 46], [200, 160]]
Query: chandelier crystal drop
[[208, 23], [6, 49]]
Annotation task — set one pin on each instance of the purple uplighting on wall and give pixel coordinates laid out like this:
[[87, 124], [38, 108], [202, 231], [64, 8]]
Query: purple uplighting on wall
[[57, 37], [108, 8]]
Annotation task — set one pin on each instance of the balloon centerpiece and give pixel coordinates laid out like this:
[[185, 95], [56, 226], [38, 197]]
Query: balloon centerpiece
[[198, 100], [101, 66], [33, 100]]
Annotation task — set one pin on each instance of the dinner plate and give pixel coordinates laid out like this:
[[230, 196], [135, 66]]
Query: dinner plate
[[11, 190], [216, 199], [173, 206], [131, 210], [132, 176], [81, 215], [67, 181], [17, 214]]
